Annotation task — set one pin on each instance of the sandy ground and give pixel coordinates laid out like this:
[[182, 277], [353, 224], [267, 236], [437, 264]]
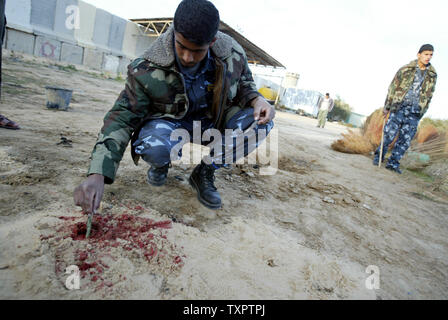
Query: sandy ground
[[307, 232]]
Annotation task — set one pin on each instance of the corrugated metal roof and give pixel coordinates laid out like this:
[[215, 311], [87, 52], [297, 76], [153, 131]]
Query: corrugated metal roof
[[256, 55]]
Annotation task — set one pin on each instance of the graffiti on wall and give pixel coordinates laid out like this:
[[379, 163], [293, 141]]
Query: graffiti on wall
[[47, 50], [306, 100]]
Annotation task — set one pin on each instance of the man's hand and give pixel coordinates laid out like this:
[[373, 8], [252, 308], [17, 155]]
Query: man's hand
[[263, 111], [88, 194]]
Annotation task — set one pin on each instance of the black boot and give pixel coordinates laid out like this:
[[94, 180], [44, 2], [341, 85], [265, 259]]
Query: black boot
[[395, 169], [202, 179], [157, 176]]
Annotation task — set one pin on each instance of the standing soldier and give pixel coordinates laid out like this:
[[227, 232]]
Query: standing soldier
[[407, 101]]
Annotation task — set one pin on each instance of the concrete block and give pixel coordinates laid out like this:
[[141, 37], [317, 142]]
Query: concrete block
[[103, 21], [130, 39], [87, 13], [111, 63], [71, 53], [116, 33], [64, 23], [18, 12], [43, 14], [48, 48], [93, 58], [19, 41], [123, 66]]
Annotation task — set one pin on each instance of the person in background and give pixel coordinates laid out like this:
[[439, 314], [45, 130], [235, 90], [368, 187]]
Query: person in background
[[325, 106]]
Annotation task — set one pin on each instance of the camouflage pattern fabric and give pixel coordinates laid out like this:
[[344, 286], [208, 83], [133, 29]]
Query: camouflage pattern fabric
[[156, 89], [403, 82], [155, 146], [404, 123], [412, 98]]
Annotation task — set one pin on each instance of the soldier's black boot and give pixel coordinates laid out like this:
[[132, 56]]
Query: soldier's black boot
[[202, 179], [157, 176]]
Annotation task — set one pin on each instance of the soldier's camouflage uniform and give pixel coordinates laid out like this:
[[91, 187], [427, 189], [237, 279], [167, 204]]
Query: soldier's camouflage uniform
[[155, 89], [407, 100]]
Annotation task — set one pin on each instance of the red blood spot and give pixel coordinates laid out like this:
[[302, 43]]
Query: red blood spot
[[177, 260], [144, 229], [86, 266], [163, 224], [83, 256], [139, 208], [106, 230], [79, 231]]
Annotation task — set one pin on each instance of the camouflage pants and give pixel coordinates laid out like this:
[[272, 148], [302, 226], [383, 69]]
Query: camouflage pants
[[404, 123], [155, 146]]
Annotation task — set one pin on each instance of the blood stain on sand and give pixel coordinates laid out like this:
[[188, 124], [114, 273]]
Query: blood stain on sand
[[109, 232]]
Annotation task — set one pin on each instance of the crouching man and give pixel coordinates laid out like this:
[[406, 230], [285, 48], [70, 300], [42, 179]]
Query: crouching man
[[193, 75]]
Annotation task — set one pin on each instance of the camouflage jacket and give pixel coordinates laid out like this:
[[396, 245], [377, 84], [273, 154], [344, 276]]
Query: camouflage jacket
[[402, 82], [155, 89]]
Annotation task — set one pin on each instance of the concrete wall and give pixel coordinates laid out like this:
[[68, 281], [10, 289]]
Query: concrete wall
[[18, 13], [298, 99], [73, 31], [84, 35], [43, 14], [20, 41]]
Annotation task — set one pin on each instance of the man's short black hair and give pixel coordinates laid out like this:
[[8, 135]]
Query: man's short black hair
[[327, 94], [426, 47], [197, 21]]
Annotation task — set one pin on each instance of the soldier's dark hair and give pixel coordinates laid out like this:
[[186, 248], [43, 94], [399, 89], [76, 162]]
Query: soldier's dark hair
[[327, 94], [197, 21], [426, 47]]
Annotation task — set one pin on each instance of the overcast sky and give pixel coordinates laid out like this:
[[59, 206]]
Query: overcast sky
[[350, 48]]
